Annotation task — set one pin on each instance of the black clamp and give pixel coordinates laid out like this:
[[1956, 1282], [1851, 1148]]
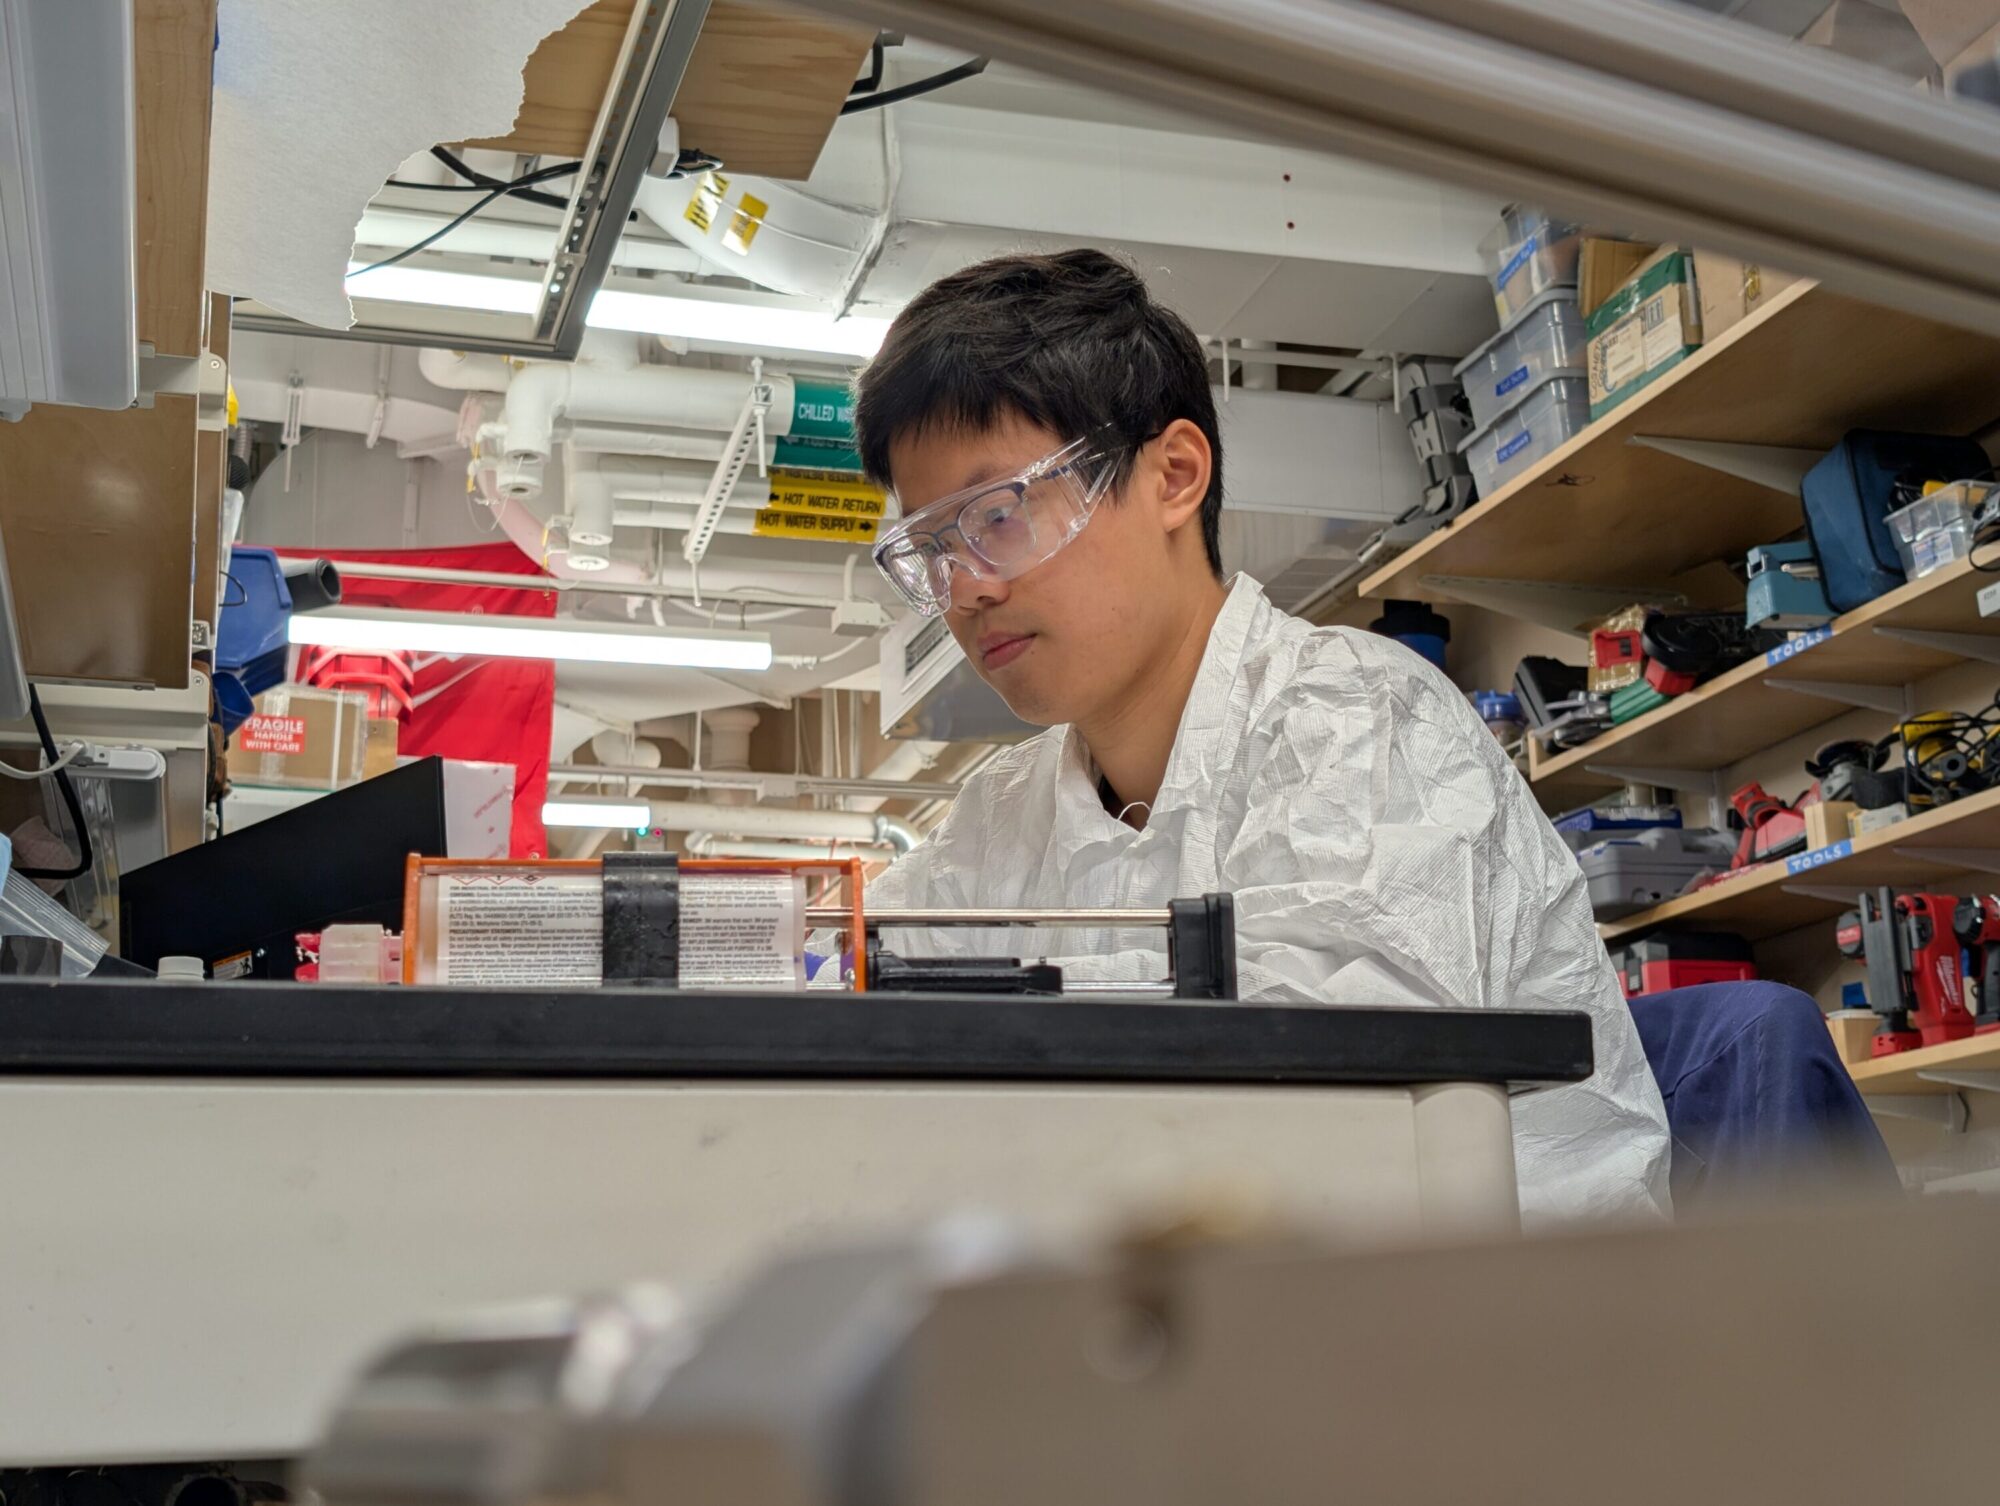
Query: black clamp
[[1201, 946], [642, 918]]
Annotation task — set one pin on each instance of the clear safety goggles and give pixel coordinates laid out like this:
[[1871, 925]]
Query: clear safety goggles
[[997, 529]]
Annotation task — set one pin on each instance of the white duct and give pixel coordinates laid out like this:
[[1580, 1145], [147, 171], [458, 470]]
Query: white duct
[[815, 248], [683, 396], [395, 228], [631, 439], [773, 821], [731, 847]]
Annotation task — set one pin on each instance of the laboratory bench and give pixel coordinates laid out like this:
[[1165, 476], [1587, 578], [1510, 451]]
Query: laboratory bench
[[223, 1198]]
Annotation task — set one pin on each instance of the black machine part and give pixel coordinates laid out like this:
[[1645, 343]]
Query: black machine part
[[1703, 643], [642, 918], [1201, 946], [1975, 921], [890, 974], [1870, 933], [1542, 683]]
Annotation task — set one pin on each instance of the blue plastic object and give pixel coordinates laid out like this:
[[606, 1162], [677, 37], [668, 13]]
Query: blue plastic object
[[1618, 818], [250, 644], [1854, 996], [1779, 598], [1849, 494], [1414, 625]]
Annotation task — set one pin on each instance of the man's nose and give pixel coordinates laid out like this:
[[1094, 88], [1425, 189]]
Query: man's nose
[[972, 593]]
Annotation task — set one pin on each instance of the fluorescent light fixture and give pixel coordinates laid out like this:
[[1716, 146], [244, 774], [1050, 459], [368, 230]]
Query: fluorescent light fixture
[[759, 322], [452, 290], [737, 321], [633, 815], [375, 632]]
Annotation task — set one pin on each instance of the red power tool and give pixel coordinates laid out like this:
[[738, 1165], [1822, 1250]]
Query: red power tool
[[1771, 828], [1976, 923], [1915, 969]]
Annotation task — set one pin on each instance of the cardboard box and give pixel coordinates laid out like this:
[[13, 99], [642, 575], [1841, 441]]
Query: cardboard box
[[378, 754], [1604, 266], [1643, 330], [1853, 1029], [1730, 290], [302, 738], [1829, 822]]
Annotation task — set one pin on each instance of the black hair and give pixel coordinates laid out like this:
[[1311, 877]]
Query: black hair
[[1073, 342]]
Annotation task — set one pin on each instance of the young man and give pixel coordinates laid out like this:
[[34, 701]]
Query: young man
[[1050, 435]]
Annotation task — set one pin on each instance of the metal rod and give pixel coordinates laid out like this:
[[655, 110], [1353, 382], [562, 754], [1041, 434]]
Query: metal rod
[[688, 779], [1164, 989], [1115, 920]]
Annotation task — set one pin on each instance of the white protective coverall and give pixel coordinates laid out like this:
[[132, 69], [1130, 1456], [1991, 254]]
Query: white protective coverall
[[1380, 848]]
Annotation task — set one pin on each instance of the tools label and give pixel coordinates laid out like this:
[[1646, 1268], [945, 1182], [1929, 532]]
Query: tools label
[[1811, 638], [272, 734], [1819, 857]]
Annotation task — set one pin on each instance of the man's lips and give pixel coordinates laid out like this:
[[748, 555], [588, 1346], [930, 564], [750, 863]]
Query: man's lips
[[996, 649]]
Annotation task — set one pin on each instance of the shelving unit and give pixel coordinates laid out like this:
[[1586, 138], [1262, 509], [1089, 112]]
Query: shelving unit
[[1907, 1071], [1939, 848], [1866, 658]]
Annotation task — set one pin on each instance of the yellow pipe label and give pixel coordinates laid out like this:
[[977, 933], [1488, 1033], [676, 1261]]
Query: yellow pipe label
[[804, 493], [778, 523]]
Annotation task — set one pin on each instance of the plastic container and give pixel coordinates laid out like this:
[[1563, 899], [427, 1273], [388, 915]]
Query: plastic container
[[1549, 414], [26, 911], [1501, 711], [1526, 254], [1548, 336], [1634, 871], [182, 970], [1414, 625], [353, 954], [1935, 530]]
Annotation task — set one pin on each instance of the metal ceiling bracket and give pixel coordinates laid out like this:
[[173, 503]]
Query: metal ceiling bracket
[[1970, 1080], [1775, 466], [1683, 781], [1946, 1110], [745, 437], [1827, 892], [205, 378], [1984, 647], [1552, 604], [1897, 700], [1976, 859]]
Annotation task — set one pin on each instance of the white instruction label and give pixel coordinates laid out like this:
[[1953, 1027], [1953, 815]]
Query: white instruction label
[[1661, 318], [1624, 354], [743, 931], [520, 930]]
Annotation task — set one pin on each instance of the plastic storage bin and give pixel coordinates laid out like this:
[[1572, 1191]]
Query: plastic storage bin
[[1549, 413], [1935, 530], [1631, 872], [1526, 254], [1548, 336]]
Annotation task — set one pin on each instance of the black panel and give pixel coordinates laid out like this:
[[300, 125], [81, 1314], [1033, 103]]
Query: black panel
[[113, 1026]]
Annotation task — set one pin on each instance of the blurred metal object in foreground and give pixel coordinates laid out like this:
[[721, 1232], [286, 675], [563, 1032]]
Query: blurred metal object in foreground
[[1721, 1364], [1652, 120]]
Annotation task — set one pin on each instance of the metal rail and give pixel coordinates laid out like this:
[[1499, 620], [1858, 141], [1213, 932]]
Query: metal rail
[[1112, 920]]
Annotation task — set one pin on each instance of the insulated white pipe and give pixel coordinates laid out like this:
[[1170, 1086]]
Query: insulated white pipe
[[464, 371], [685, 397], [628, 439], [728, 847], [772, 821]]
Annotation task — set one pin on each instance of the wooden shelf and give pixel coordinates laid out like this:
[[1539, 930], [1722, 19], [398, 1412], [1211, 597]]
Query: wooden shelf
[[1747, 709], [1895, 1075], [1767, 900], [1799, 372]]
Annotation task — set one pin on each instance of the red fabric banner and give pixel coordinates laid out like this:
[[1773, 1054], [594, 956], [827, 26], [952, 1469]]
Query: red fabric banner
[[492, 710]]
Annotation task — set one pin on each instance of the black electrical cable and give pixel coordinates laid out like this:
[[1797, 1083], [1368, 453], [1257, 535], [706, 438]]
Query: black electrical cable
[[912, 91], [873, 82], [478, 179], [85, 859], [516, 186], [430, 240]]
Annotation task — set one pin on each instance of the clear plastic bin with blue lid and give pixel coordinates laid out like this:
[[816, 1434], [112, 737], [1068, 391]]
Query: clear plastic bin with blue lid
[[1548, 414], [1526, 254], [1547, 336], [1937, 529]]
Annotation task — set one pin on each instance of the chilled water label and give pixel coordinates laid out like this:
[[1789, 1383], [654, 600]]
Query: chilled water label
[[1812, 638], [1514, 446], [1510, 381], [1819, 857]]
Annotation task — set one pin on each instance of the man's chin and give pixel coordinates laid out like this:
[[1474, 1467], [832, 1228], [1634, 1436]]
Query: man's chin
[[1034, 709]]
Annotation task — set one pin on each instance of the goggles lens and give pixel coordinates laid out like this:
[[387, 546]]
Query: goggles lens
[[997, 530]]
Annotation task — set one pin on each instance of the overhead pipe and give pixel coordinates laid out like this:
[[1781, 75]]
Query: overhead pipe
[[685, 396], [699, 779], [566, 585], [775, 821]]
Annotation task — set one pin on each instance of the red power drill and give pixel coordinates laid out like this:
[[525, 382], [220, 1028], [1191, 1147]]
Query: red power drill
[[1915, 969], [1976, 923], [1771, 828]]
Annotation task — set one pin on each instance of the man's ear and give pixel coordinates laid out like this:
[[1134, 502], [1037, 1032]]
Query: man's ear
[[1185, 465]]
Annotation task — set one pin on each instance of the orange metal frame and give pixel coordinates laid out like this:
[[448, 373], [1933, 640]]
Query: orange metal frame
[[417, 867]]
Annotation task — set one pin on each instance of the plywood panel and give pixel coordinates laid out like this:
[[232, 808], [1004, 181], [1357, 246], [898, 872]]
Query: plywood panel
[[174, 48], [762, 90], [98, 512]]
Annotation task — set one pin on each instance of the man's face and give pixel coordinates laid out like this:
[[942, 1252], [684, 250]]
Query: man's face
[[1068, 639]]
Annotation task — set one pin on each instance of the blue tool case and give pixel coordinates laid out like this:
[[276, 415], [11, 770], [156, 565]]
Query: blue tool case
[[1850, 493]]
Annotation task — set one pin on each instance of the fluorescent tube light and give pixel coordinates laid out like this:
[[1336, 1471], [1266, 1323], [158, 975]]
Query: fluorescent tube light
[[375, 632], [738, 322], [452, 290], [631, 815], [723, 319]]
